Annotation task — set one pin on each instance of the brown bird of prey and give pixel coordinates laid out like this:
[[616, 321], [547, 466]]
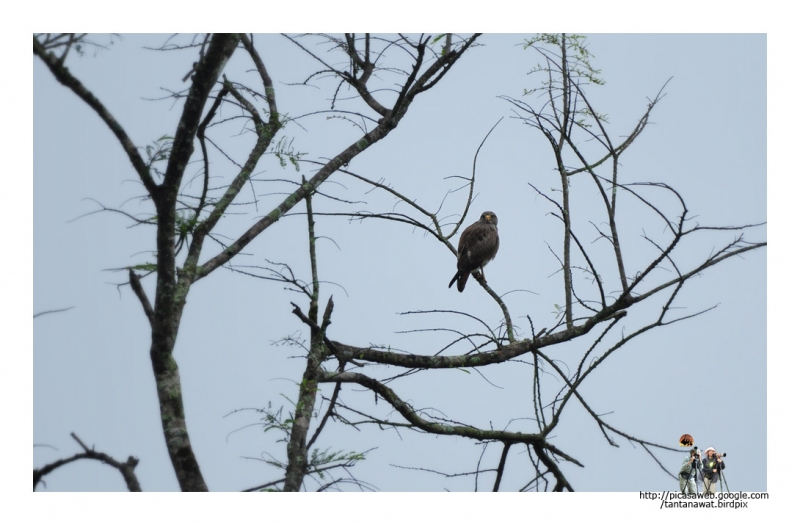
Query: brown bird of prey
[[477, 246]]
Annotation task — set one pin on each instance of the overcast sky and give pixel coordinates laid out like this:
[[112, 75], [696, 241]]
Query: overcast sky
[[707, 376], [92, 370]]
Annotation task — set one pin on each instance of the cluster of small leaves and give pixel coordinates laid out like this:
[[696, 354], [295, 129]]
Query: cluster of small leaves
[[157, 152], [584, 112], [284, 150], [274, 420], [574, 60], [319, 459], [185, 223], [446, 46], [144, 267], [578, 56]]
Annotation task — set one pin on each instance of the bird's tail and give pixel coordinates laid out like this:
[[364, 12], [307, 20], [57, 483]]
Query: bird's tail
[[454, 279], [461, 277], [462, 281]]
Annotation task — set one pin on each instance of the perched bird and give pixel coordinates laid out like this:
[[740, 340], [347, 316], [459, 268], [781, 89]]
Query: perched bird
[[477, 246]]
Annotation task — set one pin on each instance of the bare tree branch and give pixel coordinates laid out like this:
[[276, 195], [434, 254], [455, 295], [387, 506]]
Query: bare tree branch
[[126, 469]]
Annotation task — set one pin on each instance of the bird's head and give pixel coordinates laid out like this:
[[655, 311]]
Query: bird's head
[[489, 217]]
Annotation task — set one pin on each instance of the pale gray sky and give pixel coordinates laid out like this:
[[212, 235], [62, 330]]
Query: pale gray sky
[[122, 411], [94, 364], [706, 376]]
